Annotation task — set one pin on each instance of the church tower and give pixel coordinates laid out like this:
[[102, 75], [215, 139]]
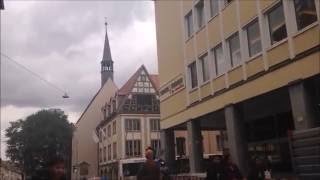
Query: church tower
[[106, 63]]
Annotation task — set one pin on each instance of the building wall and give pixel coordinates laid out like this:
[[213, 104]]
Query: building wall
[[145, 135], [274, 67], [209, 142], [83, 146]]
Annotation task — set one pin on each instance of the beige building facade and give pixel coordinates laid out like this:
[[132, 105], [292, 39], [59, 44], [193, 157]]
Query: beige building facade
[[84, 146], [131, 123], [250, 68]]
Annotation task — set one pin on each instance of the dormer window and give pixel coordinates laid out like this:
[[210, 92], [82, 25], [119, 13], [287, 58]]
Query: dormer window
[[108, 109], [114, 105]]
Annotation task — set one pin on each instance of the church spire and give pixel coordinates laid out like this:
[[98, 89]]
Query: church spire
[[106, 63]]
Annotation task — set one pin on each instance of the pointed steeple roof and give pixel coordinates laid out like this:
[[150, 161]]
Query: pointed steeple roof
[[106, 50]]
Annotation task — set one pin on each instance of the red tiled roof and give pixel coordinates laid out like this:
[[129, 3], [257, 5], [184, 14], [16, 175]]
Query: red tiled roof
[[126, 88], [155, 79]]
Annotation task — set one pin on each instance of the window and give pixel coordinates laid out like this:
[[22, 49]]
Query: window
[[109, 130], [104, 133], [133, 148], [277, 25], [234, 49], [155, 144], [100, 136], [193, 74], [114, 105], [181, 146], [189, 24], [144, 99], [132, 124], [219, 142], [114, 150], [219, 61], [104, 154], [254, 39], [154, 124], [306, 13], [200, 14], [214, 7], [114, 127], [143, 85], [100, 154], [109, 152], [205, 67]]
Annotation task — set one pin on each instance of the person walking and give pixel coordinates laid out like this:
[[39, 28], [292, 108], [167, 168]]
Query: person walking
[[149, 170], [258, 170], [54, 170], [232, 171], [215, 169]]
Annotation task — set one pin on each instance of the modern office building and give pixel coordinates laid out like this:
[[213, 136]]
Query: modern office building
[[249, 67]]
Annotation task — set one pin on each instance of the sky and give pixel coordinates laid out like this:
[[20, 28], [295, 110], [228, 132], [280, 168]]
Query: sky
[[62, 41]]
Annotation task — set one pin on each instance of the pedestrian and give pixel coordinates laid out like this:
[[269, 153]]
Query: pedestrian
[[149, 170], [258, 170], [164, 170], [232, 171], [54, 169], [215, 169]]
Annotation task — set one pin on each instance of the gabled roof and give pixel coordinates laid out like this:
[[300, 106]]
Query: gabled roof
[[94, 97], [155, 80], [127, 87]]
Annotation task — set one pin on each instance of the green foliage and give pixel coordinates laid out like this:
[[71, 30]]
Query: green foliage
[[34, 141]]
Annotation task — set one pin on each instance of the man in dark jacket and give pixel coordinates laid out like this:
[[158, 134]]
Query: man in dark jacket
[[215, 169], [150, 169]]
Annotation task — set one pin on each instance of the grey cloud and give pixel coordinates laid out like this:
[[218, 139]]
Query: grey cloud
[[63, 42]]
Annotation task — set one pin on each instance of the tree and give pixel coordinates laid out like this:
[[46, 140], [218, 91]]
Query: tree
[[34, 141]]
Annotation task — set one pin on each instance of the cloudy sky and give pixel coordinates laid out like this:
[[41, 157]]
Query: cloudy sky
[[63, 41]]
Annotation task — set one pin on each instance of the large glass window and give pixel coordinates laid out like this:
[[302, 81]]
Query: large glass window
[[306, 13], [214, 7], [254, 39], [181, 146], [234, 49], [200, 14], [193, 74], [277, 25], [133, 148], [189, 24], [155, 144], [132, 124], [205, 67], [154, 124], [219, 60]]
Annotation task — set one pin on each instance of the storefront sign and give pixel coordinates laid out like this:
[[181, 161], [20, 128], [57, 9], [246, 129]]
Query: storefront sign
[[172, 88]]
